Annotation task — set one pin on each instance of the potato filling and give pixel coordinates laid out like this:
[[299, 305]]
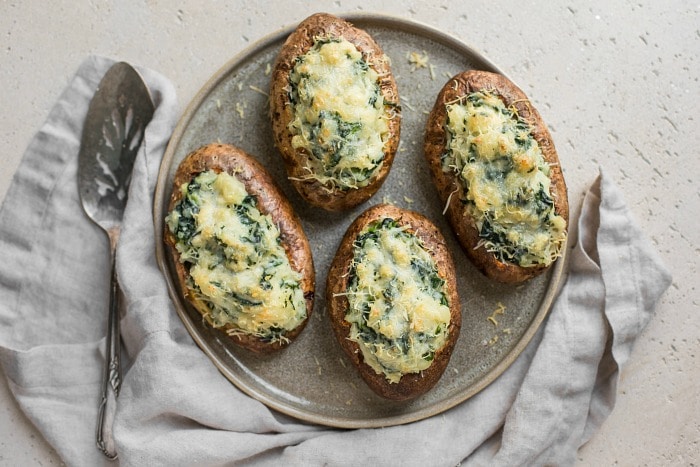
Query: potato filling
[[238, 268], [505, 180], [339, 118], [398, 308]]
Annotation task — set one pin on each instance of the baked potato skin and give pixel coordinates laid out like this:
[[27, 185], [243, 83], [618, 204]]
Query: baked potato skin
[[270, 201], [299, 42], [415, 384], [446, 182]]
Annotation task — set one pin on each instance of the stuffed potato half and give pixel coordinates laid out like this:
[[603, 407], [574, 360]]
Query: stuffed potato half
[[334, 108], [241, 256], [496, 169], [393, 302]]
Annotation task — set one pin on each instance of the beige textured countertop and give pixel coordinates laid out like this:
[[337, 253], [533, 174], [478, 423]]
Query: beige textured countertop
[[616, 81]]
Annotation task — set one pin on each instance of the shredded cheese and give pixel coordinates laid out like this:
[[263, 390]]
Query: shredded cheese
[[418, 60]]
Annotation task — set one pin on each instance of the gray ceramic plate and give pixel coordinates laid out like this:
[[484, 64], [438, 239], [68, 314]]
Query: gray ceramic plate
[[311, 380]]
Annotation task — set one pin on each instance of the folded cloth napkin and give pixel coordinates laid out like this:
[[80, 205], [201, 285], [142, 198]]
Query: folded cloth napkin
[[53, 298]]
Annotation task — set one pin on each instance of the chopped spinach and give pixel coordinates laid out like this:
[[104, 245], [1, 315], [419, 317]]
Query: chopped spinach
[[543, 202], [245, 301], [507, 251]]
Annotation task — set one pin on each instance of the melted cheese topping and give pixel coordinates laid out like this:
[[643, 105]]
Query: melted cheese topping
[[339, 120], [238, 268], [506, 181], [398, 307]]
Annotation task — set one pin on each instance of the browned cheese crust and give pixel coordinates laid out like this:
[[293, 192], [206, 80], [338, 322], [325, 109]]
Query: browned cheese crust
[[411, 385], [448, 187], [299, 43], [270, 201]]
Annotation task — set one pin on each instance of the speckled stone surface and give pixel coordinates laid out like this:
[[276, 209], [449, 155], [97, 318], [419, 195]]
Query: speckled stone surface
[[616, 81]]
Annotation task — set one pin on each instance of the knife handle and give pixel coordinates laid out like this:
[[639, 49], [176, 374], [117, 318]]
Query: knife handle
[[111, 378]]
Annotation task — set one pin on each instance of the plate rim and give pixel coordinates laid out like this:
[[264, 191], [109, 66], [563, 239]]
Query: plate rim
[[161, 198]]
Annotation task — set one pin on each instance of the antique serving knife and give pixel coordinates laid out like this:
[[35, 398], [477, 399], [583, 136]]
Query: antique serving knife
[[112, 134]]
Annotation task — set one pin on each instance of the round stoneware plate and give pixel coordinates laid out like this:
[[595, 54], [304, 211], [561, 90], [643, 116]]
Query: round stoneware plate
[[311, 379]]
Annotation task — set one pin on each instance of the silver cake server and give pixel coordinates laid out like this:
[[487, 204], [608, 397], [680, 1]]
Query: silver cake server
[[112, 134]]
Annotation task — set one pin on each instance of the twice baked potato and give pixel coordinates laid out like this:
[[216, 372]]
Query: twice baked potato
[[496, 170], [393, 302], [241, 256], [334, 108]]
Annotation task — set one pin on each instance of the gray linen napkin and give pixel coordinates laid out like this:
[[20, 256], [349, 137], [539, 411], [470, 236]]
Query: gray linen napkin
[[53, 320]]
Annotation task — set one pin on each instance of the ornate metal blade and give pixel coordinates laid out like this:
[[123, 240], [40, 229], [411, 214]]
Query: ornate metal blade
[[112, 134]]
